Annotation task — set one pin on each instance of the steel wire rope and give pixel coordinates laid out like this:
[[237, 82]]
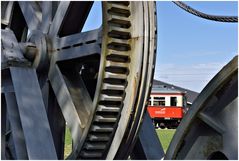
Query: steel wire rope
[[195, 12]]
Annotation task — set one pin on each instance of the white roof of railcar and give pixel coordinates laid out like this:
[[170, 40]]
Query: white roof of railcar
[[164, 90]]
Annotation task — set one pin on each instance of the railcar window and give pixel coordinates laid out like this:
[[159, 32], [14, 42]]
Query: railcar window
[[149, 102], [173, 101], [159, 101]]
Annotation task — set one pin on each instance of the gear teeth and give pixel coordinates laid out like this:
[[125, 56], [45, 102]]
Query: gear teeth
[[124, 3], [112, 92], [98, 137], [112, 87], [116, 64], [118, 22], [119, 77], [119, 11], [118, 58], [106, 118], [119, 34], [118, 6], [123, 53], [119, 46], [110, 103], [94, 146], [102, 128], [117, 70], [90, 154], [108, 109], [111, 98]]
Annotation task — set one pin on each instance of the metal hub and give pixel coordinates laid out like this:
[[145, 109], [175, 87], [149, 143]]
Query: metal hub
[[36, 50]]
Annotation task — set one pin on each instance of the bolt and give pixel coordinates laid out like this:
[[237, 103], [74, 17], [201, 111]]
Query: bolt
[[29, 50]]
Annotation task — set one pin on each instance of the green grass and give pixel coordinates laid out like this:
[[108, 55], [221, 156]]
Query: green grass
[[165, 137], [68, 143]]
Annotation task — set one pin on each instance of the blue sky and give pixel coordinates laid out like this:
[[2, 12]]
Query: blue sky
[[190, 50]]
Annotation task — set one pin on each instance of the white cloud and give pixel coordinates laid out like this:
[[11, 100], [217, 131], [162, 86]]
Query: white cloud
[[191, 76], [211, 66]]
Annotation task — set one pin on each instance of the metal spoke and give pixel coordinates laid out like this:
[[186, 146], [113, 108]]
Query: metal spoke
[[17, 22], [66, 22], [76, 52], [46, 7], [56, 119], [16, 127], [3, 126], [6, 12], [32, 114], [32, 14], [214, 124], [58, 18], [74, 101], [78, 39]]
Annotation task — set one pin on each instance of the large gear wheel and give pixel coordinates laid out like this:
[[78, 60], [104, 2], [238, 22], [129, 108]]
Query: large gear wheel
[[53, 75]]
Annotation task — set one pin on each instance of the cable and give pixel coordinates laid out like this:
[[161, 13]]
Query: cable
[[206, 16]]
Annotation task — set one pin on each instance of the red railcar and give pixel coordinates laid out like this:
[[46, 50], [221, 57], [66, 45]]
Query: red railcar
[[166, 107]]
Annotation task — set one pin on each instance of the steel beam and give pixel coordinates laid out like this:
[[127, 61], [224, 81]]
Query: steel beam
[[56, 121], [70, 18], [77, 39], [6, 12], [76, 52], [74, 102], [3, 126], [32, 114], [16, 127], [147, 146], [32, 14]]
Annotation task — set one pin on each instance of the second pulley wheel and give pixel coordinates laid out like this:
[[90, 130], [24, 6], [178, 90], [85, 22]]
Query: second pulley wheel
[[210, 128]]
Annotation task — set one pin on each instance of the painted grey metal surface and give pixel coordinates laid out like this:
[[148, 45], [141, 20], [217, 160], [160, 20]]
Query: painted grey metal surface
[[147, 146], [10, 52], [210, 129], [32, 114], [16, 127], [71, 109], [3, 127], [6, 11], [31, 13]]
